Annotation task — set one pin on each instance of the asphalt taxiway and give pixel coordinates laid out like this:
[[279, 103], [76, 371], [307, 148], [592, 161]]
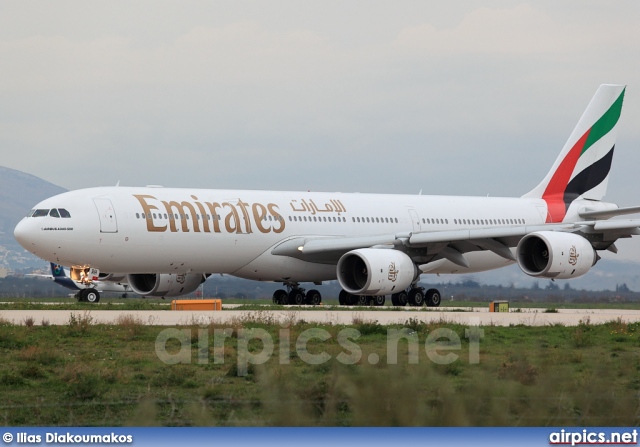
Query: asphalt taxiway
[[331, 315]]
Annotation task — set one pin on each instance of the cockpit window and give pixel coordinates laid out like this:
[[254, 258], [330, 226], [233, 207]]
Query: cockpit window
[[54, 213], [64, 213], [40, 213]]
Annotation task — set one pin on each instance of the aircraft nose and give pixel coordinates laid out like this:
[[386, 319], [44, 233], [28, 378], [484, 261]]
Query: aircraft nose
[[24, 235]]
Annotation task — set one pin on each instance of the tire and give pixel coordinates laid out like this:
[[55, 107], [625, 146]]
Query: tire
[[379, 300], [91, 296], [394, 299], [433, 298], [280, 297], [343, 298], [362, 300], [296, 297], [401, 298], [313, 297], [416, 297]]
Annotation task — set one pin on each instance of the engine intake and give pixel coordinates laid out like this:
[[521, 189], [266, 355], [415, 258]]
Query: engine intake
[[152, 284], [374, 271], [551, 254]]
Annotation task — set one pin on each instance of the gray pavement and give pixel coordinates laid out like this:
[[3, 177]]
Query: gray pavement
[[331, 315]]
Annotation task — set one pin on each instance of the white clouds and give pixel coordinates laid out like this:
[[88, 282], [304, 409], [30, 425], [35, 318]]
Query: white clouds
[[519, 30], [419, 94]]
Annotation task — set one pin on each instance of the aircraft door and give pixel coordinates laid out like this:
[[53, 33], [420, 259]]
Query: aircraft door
[[108, 222], [415, 220]]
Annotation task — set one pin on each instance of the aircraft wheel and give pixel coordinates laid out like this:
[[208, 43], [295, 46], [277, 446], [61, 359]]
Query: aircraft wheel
[[313, 297], [401, 298], [379, 300], [343, 298], [362, 300], [433, 298], [416, 297], [91, 296], [280, 297], [296, 297]]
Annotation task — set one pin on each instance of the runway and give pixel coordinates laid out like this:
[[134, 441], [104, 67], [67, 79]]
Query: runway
[[330, 315]]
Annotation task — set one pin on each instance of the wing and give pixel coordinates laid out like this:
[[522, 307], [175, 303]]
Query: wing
[[426, 248]]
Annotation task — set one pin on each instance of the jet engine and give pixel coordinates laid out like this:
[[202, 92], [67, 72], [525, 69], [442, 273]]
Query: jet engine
[[550, 254], [113, 277], [373, 271], [152, 284]]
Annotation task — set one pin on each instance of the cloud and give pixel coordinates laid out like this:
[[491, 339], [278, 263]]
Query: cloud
[[370, 97]]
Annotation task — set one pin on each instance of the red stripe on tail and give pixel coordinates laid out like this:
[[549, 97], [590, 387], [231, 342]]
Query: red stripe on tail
[[554, 194]]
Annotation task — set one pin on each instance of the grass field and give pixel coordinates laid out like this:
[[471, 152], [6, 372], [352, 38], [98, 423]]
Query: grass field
[[106, 303], [87, 374]]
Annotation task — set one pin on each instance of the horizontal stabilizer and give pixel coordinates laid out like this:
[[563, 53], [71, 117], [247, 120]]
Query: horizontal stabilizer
[[606, 214]]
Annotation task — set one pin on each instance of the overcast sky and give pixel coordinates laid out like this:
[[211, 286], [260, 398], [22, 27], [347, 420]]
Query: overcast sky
[[456, 97]]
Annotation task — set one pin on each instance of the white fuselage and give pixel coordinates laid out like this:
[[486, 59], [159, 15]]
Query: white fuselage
[[163, 230]]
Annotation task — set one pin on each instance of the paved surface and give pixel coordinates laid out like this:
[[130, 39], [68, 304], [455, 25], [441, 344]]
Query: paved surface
[[331, 315]]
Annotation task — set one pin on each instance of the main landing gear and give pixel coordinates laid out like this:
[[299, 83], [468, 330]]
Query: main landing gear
[[296, 295], [88, 295], [346, 299], [415, 296]]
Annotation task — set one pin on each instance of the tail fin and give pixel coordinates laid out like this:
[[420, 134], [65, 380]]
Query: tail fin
[[57, 271], [582, 168]]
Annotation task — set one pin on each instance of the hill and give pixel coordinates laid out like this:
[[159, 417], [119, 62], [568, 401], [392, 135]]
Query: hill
[[19, 192]]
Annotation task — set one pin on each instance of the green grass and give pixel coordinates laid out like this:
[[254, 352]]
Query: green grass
[[73, 304], [116, 303], [109, 375]]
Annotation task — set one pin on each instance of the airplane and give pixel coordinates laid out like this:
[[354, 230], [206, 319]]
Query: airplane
[[169, 240], [88, 284]]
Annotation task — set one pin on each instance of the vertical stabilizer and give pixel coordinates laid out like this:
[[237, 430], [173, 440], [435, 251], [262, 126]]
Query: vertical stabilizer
[[582, 168], [57, 271]]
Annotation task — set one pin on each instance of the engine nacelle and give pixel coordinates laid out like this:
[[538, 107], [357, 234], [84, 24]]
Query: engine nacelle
[[551, 254], [373, 271], [112, 277], [152, 284]]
